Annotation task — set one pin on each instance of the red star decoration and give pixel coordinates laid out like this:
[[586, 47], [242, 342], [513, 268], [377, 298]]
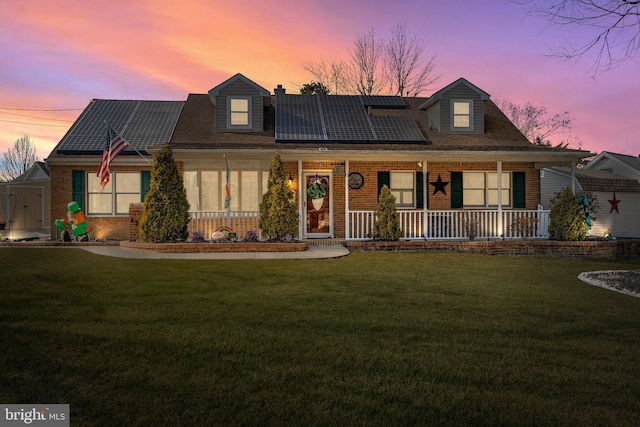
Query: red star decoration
[[614, 203]]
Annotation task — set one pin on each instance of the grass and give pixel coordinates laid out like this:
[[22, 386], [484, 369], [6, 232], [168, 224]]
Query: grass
[[369, 339]]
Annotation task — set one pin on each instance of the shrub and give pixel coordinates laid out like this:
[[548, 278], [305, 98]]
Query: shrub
[[197, 237], [165, 217], [278, 211], [566, 221], [250, 236], [524, 227], [387, 224], [471, 224]]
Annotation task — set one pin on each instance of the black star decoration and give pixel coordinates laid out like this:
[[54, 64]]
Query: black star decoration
[[439, 185], [614, 203]]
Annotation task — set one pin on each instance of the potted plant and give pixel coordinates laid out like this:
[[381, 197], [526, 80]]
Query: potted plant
[[316, 193]]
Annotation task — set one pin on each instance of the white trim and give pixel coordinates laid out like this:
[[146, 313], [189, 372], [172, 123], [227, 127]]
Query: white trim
[[249, 100], [453, 115]]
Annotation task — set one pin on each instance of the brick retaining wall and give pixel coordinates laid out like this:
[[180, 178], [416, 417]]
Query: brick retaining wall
[[214, 247], [600, 250]]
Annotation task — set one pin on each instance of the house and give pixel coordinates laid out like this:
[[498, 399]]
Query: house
[[617, 196], [25, 206], [619, 164], [452, 161]]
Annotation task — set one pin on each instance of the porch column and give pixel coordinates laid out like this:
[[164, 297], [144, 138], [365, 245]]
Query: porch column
[[500, 225], [346, 200], [573, 177], [425, 197], [300, 200]]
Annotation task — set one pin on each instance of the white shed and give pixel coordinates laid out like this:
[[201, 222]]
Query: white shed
[[618, 197], [25, 204]]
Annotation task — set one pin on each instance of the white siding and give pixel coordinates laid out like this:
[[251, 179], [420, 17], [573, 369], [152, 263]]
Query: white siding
[[624, 224]]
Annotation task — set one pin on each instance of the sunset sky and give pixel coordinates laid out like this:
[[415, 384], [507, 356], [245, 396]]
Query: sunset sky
[[58, 55]]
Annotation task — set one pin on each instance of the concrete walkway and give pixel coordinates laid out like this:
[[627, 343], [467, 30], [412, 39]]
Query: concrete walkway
[[313, 252]]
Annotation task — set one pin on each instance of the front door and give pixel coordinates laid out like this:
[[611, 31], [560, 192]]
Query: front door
[[318, 205]]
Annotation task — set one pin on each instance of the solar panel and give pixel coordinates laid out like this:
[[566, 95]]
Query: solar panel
[[342, 118], [141, 123], [298, 119], [396, 129], [380, 101]]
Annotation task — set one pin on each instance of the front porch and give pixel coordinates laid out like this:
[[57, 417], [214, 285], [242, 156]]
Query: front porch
[[416, 224]]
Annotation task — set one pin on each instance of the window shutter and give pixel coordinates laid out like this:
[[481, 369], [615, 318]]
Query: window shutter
[[384, 178], [456, 190], [519, 195], [419, 190], [145, 183], [77, 188]]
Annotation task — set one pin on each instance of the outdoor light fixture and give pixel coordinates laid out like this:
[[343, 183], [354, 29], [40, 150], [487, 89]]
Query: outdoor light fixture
[[290, 181]]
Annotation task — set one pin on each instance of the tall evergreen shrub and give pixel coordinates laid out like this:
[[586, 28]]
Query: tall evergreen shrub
[[165, 217], [278, 212], [387, 224], [566, 220]]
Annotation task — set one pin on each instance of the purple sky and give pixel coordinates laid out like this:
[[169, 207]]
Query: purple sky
[[60, 54]]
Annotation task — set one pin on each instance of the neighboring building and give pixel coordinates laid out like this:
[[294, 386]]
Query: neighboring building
[[619, 164], [618, 197], [452, 161], [25, 206]]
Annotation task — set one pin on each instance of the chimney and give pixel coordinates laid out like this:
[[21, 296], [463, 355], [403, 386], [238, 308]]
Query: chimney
[[279, 90]]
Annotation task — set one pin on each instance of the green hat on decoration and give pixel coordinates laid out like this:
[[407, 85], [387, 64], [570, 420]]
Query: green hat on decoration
[[73, 207]]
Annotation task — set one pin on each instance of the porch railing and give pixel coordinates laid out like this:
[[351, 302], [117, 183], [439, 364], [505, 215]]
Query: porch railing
[[458, 224], [207, 222], [415, 224]]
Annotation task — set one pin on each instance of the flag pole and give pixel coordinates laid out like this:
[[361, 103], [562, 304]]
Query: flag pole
[[227, 201], [130, 146]]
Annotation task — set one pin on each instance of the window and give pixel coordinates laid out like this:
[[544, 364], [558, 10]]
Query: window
[[123, 189], [206, 189], [239, 112], [480, 189], [462, 115], [402, 188]]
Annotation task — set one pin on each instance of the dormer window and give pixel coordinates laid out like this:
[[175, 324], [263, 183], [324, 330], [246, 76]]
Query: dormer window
[[239, 112], [462, 111]]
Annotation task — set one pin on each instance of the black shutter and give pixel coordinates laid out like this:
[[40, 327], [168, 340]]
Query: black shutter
[[519, 194], [77, 188], [419, 190], [456, 190], [384, 178]]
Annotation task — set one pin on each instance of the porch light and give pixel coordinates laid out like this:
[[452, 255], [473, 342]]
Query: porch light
[[290, 181]]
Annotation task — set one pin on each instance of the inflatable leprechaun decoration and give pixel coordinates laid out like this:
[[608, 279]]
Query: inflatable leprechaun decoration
[[76, 220]]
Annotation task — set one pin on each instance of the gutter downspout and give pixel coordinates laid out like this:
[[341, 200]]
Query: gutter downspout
[[347, 231]]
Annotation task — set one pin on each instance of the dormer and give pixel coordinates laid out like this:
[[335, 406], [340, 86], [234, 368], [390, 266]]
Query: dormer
[[240, 105], [457, 108]]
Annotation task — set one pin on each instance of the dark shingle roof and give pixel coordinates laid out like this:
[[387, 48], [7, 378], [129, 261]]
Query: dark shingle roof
[[602, 181]]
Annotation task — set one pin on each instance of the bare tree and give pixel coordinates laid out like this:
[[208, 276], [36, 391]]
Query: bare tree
[[17, 159], [330, 73], [614, 25], [396, 66], [366, 70], [408, 70], [535, 124]]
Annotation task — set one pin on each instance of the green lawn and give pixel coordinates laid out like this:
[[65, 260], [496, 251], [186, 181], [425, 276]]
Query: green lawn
[[370, 339]]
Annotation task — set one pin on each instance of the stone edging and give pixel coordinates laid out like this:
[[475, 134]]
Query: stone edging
[[214, 247]]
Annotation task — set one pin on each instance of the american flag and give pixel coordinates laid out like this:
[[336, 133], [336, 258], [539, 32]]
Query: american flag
[[115, 145]]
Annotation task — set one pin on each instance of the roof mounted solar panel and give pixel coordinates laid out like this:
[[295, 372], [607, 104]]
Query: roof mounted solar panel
[[380, 101], [342, 119], [141, 123]]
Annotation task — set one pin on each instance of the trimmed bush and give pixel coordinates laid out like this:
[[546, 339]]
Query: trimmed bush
[[387, 225], [278, 212], [566, 220], [165, 217]]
